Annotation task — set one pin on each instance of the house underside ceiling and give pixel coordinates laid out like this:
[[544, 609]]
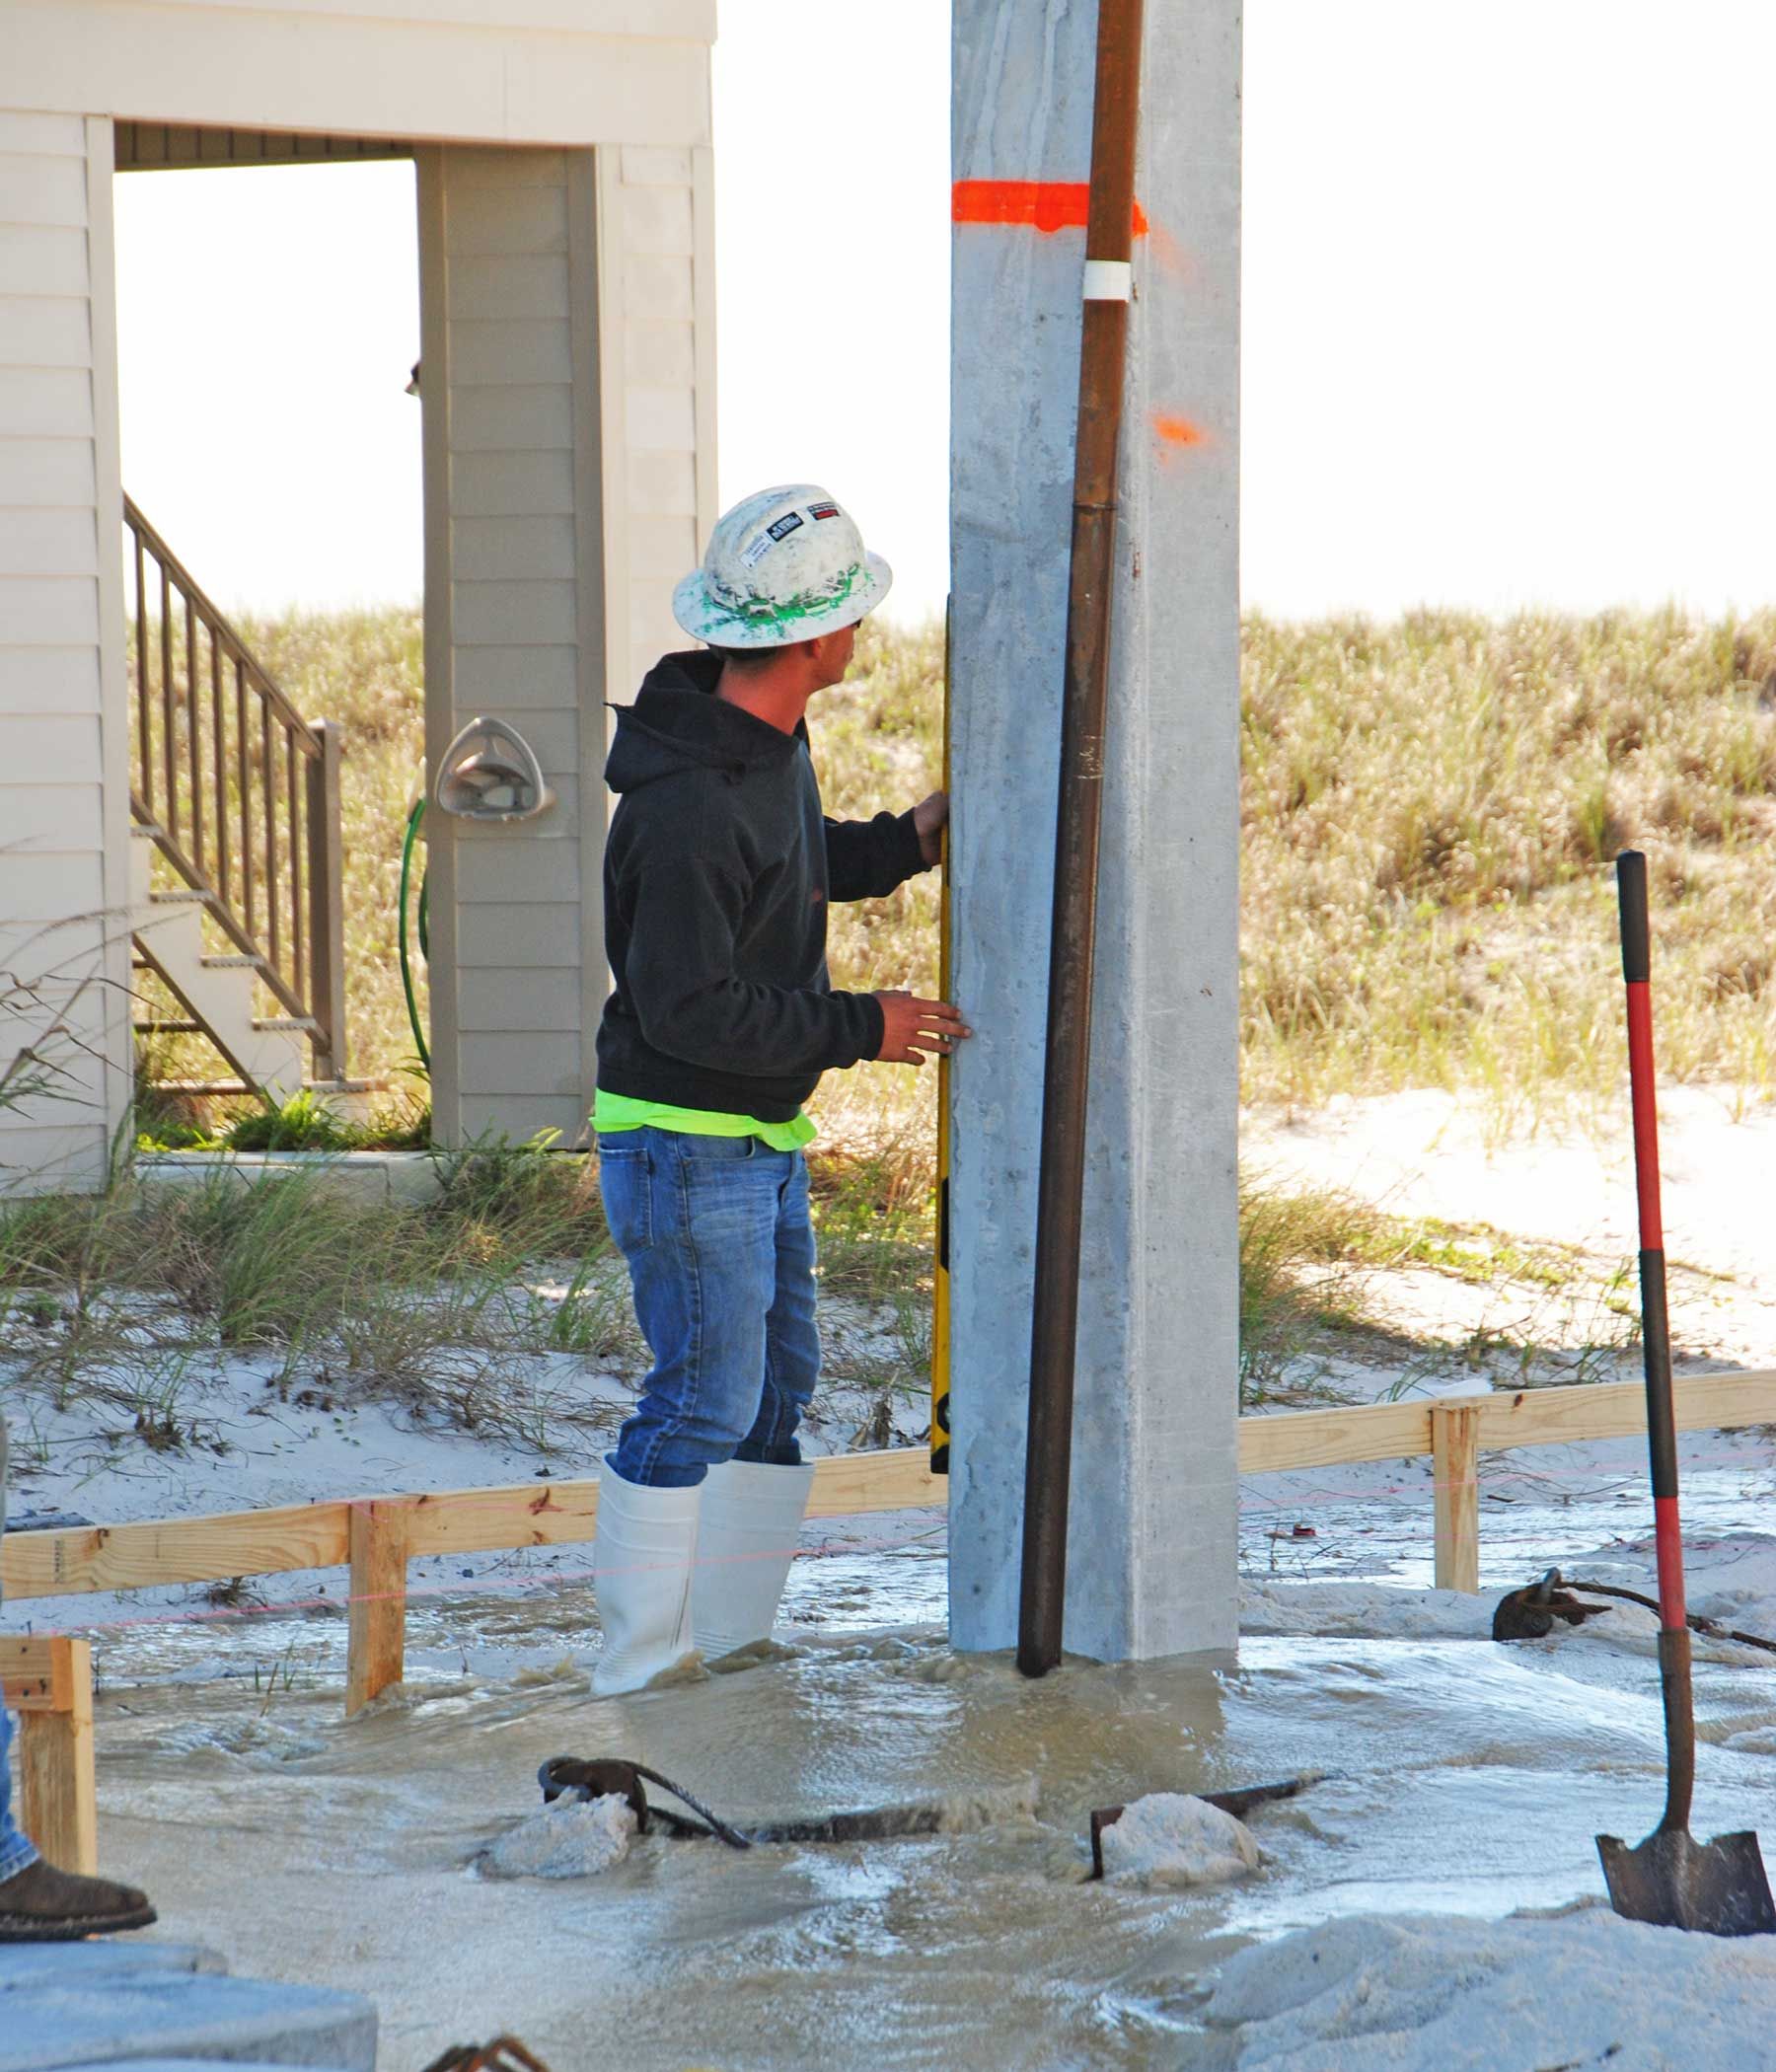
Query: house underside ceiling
[[144, 147]]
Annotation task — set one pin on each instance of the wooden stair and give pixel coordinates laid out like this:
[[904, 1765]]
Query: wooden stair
[[215, 992], [236, 867]]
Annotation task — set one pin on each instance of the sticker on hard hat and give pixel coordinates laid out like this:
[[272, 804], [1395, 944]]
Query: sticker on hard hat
[[790, 522], [823, 510], [751, 554]]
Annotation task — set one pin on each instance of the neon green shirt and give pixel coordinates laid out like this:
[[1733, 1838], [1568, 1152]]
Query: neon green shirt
[[613, 1113]]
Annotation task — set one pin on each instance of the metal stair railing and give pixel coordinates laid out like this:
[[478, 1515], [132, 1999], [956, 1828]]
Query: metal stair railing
[[240, 793]]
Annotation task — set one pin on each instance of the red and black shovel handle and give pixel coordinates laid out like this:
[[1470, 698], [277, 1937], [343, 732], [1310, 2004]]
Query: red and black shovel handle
[[1672, 1880], [1656, 1335]]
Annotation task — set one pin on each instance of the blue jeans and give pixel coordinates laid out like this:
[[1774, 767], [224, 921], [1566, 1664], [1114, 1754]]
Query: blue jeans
[[15, 1851], [721, 1255]]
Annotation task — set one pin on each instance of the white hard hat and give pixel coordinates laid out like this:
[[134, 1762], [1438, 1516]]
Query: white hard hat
[[784, 565]]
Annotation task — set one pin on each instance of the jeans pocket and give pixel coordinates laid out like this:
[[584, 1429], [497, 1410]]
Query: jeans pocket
[[626, 1182], [716, 1151]]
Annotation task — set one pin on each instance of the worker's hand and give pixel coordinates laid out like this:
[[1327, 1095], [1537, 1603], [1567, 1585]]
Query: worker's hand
[[931, 817], [912, 1028]]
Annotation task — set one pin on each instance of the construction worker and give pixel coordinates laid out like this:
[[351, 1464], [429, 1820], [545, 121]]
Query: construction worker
[[37, 1902], [717, 873]]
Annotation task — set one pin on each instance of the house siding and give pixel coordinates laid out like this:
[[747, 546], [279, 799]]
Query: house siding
[[567, 304], [507, 545], [659, 289], [63, 769], [571, 72], [568, 389]]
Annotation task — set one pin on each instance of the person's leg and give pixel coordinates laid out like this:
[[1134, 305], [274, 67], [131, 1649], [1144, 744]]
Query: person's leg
[[753, 1506], [693, 1217], [697, 1220], [37, 1902], [791, 1329], [15, 1851]]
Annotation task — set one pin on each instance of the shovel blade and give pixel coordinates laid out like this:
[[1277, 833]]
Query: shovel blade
[[1673, 1881]]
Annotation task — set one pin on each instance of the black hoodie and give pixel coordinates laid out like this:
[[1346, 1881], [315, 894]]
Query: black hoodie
[[717, 877]]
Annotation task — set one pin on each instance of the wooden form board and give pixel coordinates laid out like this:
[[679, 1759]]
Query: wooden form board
[[1525, 1417], [552, 1514], [442, 1522], [173, 1550]]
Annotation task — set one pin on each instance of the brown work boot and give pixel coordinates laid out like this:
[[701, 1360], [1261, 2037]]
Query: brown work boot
[[41, 1904]]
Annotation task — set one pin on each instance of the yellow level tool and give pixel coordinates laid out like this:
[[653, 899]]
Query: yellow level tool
[[941, 1300]]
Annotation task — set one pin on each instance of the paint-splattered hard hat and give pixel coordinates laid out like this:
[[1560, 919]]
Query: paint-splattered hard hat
[[784, 565]]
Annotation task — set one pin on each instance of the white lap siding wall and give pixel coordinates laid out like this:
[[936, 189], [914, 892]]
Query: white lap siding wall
[[64, 961], [658, 216], [569, 391]]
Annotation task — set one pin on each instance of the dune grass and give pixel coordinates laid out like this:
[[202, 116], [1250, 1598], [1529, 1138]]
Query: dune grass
[[1430, 811], [121, 1300]]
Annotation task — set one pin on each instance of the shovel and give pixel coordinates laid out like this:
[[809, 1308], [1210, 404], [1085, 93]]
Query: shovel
[[1672, 1880]]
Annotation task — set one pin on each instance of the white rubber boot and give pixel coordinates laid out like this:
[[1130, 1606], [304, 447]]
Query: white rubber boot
[[751, 1520], [642, 1556]]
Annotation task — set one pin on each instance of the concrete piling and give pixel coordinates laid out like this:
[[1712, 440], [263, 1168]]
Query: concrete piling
[[1151, 1544]]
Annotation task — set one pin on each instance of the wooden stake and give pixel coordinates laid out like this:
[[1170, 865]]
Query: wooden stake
[[377, 1535], [49, 1683], [1455, 1469]]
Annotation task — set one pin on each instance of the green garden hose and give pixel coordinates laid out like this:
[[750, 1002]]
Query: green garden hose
[[415, 813]]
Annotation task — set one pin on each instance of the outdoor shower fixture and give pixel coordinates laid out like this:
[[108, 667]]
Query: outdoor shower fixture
[[489, 772]]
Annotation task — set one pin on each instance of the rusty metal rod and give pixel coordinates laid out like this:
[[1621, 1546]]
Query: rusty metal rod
[[1061, 1190]]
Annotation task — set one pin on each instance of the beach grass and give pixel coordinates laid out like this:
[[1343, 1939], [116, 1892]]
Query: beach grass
[[1429, 813], [1431, 810]]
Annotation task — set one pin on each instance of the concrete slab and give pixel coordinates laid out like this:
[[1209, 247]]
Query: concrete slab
[[102, 1962], [182, 2064], [86, 2016]]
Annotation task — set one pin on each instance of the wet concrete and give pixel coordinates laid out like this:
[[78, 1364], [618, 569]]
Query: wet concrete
[[1465, 1778]]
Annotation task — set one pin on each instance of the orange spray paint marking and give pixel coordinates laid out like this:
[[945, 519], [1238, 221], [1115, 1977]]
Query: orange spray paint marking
[[1176, 431], [1046, 205]]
